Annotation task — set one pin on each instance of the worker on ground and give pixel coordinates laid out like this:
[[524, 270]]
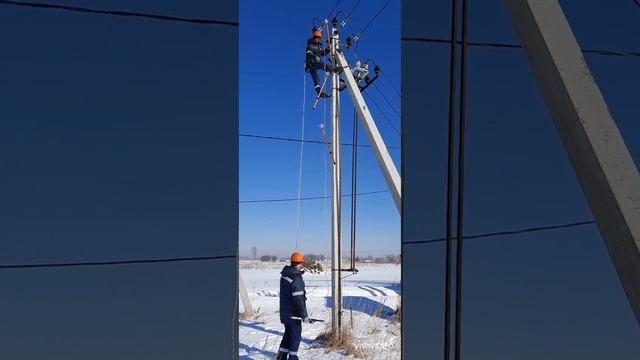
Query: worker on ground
[[292, 305], [314, 62]]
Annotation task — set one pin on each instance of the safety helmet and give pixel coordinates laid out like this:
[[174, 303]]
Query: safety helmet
[[316, 33], [296, 257]]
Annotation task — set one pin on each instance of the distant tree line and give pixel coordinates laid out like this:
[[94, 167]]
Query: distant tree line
[[387, 259], [268, 258], [314, 257]]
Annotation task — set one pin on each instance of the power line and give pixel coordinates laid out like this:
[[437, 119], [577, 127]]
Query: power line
[[280, 138], [391, 82], [374, 17], [382, 112], [332, 9], [308, 198], [210, 258], [116, 262], [637, 2], [77, 9], [505, 233], [616, 53], [387, 100], [348, 16], [449, 202], [460, 205]]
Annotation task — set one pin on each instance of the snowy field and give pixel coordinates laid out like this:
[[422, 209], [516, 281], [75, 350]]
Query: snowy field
[[370, 298]]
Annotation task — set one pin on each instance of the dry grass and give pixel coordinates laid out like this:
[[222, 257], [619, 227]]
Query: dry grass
[[330, 340], [250, 316], [397, 315]]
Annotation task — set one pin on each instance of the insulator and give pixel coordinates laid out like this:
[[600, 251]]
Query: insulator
[[367, 79], [349, 41], [376, 70]]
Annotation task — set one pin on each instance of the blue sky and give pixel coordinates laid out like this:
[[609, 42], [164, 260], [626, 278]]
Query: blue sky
[[272, 48]]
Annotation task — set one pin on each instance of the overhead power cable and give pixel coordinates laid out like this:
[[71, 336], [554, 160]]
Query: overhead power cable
[[384, 115], [280, 138], [449, 200], [386, 100], [637, 2], [211, 258], [348, 16], [115, 262], [308, 198], [602, 52], [333, 9], [391, 82], [374, 17], [85, 10], [506, 232], [457, 346]]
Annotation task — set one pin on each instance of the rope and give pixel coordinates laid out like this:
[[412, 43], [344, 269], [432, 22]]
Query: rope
[[304, 102], [354, 184]]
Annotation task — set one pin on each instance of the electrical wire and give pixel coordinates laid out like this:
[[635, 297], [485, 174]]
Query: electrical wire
[[280, 138], [615, 53], [348, 16], [506, 232], [374, 17], [221, 257], [77, 9], [637, 2], [115, 262], [386, 100], [391, 82], [382, 112], [449, 200], [332, 9], [460, 205], [308, 198]]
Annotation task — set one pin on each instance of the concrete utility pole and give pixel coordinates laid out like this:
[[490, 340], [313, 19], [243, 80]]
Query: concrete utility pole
[[248, 309], [600, 158], [389, 171], [336, 234]]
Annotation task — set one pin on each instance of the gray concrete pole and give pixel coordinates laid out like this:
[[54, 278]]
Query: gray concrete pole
[[602, 163], [248, 309], [336, 235]]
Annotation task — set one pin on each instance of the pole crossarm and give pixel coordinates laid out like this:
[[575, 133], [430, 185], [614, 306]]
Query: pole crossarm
[[389, 171]]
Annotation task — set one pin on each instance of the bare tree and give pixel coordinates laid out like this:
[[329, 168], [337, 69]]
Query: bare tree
[[254, 253]]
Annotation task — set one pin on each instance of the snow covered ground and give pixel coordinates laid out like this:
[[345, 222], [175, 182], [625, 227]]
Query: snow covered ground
[[370, 298]]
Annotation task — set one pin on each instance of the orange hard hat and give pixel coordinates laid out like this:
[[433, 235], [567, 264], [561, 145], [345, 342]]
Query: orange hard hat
[[296, 257], [317, 34]]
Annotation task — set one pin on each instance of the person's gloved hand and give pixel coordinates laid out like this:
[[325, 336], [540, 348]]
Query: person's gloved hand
[[306, 320]]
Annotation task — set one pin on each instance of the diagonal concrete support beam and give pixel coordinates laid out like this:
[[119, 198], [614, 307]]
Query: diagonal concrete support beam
[[602, 163]]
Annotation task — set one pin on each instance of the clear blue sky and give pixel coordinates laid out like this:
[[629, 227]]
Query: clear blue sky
[[272, 49]]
